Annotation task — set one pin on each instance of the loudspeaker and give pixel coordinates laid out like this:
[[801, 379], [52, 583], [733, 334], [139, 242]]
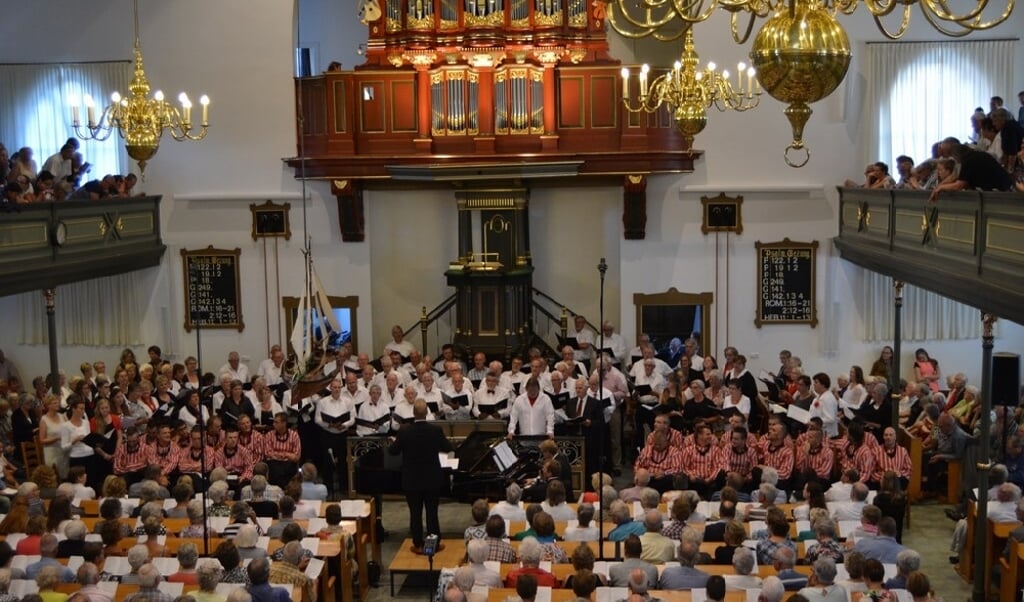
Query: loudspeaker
[[1005, 379]]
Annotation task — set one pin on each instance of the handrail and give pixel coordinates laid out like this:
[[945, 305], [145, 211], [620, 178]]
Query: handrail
[[428, 318], [565, 308]]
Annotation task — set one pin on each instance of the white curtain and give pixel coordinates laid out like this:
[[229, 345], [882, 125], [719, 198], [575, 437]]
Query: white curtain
[[926, 316], [99, 312], [925, 91], [35, 110]]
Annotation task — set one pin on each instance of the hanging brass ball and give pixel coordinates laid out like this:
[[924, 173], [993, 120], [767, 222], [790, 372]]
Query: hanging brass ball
[[690, 119], [801, 55]]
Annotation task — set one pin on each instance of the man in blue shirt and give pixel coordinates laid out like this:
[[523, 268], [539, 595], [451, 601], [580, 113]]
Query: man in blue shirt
[[260, 589], [883, 547], [683, 576], [48, 552], [625, 525]]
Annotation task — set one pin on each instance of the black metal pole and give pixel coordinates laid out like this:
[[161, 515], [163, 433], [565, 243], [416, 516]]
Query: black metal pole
[[197, 321], [50, 295], [984, 461], [897, 340], [602, 268]]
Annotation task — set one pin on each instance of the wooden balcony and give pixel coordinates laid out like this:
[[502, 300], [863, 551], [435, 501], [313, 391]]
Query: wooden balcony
[[968, 246], [103, 238]]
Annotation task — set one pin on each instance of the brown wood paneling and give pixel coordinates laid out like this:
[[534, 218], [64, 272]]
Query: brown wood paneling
[[340, 107], [372, 111], [403, 105], [604, 101], [570, 102]]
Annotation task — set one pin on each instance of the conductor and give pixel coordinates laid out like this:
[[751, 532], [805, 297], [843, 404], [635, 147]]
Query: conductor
[[420, 443]]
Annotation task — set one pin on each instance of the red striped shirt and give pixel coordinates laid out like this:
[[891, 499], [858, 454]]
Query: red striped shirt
[[675, 438], [669, 461], [127, 462], [167, 461], [741, 462], [703, 466], [820, 461], [239, 463], [898, 462], [187, 463], [253, 443], [276, 449], [780, 459], [860, 458]]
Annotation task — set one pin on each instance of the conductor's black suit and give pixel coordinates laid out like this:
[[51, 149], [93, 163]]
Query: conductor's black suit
[[419, 443]]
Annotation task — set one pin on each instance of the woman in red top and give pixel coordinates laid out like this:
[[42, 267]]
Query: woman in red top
[[29, 546], [926, 370]]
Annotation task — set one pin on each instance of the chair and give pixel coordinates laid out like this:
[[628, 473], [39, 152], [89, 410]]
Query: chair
[[32, 454]]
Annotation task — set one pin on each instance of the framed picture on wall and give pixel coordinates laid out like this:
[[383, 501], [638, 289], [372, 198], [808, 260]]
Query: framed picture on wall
[[722, 214], [270, 220]]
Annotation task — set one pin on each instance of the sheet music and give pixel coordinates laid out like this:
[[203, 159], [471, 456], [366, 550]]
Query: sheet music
[[171, 589], [543, 594], [354, 508], [611, 594], [504, 456], [314, 568], [698, 594], [799, 414]]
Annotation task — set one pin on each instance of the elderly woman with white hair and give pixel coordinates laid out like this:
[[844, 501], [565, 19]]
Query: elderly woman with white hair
[[218, 495], [138, 555], [188, 556], [209, 576], [743, 562], [247, 542], [530, 553], [821, 586], [477, 551], [194, 511], [509, 508], [5, 584]]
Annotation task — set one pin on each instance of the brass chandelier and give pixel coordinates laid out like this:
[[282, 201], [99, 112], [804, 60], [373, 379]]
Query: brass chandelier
[[138, 118], [690, 91], [801, 53]]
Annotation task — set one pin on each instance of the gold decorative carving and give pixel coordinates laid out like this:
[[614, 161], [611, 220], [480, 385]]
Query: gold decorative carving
[[548, 56], [394, 25], [492, 20], [548, 20], [423, 23], [576, 55], [396, 60]]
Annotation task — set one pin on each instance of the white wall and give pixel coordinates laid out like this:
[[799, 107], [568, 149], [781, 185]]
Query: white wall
[[240, 52]]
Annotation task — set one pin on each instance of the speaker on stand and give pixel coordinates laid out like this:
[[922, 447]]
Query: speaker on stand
[[1005, 389]]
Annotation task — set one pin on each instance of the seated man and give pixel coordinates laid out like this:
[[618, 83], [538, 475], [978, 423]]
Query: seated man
[[701, 462], [821, 585], [776, 537], [289, 569], [622, 516], [657, 548], [739, 458], [743, 562], [509, 508], [683, 576], [661, 461], [641, 480], [851, 509], [619, 573], [946, 443], [884, 547], [783, 562]]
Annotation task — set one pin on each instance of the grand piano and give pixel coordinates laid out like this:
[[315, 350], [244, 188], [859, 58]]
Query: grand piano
[[376, 472]]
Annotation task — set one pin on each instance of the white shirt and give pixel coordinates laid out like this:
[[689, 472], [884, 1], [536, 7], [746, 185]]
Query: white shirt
[[373, 411], [617, 344], [854, 396], [509, 379], [659, 366], [508, 511], [242, 374], [483, 396], [389, 398], [605, 395], [582, 336], [826, 407], [433, 396], [68, 433], [335, 407], [404, 348], [185, 416], [355, 399], [535, 419], [464, 412], [270, 372], [58, 166], [403, 411], [743, 405], [655, 381]]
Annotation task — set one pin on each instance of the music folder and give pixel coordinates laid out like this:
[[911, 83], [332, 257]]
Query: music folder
[[433, 406], [558, 400], [373, 424], [490, 408], [643, 390], [94, 439], [335, 420], [515, 387], [570, 341], [456, 401], [773, 388], [603, 403], [476, 382], [797, 413], [405, 420]]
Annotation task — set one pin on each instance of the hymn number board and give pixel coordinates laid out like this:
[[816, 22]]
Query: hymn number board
[[212, 289], [786, 283]]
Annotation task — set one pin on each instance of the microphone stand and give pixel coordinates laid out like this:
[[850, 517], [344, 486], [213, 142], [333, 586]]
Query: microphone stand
[[193, 276], [602, 268]]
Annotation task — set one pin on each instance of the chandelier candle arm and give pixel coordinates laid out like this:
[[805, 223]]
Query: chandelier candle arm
[[138, 118]]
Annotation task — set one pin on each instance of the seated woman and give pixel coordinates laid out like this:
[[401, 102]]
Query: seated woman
[[247, 541], [333, 530], [544, 527], [231, 563], [828, 546], [153, 529], [734, 536], [966, 410], [188, 556], [555, 503], [194, 511], [34, 530], [814, 496], [584, 530], [583, 559]]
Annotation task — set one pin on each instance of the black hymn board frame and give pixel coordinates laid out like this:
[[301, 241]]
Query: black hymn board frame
[[213, 297], [787, 283]]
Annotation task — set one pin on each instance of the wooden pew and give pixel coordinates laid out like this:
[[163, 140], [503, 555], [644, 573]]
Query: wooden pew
[[996, 535], [1010, 577], [915, 448]]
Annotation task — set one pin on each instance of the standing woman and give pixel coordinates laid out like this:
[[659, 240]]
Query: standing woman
[[80, 453], [109, 427], [926, 370], [24, 423], [191, 374], [883, 366], [51, 425], [264, 410], [855, 394], [192, 413], [232, 406], [164, 397]]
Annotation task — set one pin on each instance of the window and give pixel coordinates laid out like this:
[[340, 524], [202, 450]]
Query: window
[[922, 92], [35, 109]]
